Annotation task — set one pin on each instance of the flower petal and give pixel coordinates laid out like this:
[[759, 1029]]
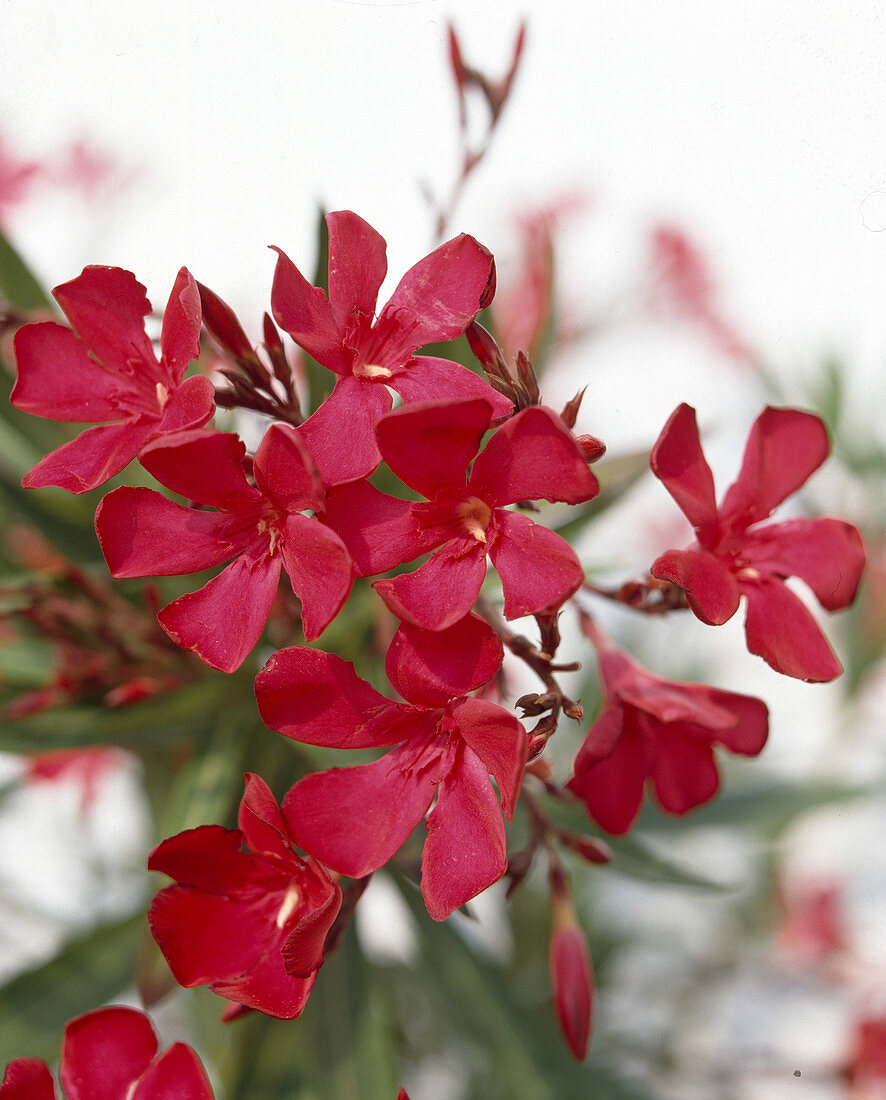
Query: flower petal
[[178, 1074], [429, 444], [268, 988], [142, 534], [341, 434], [222, 621], [92, 458], [466, 850], [305, 313], [319, 699], [612, 788], [208, 858], [104, 1052], [533, 456], [320, 570], [58, 378], [260, 820], [379, 531], [285, 471], [355, 819], [748, 736], [780, 629], [683, 770], [678, 461], [180, 335], [427, 378], [27, 1079], [357, 268], [709, 585], [441, 591], [429, 667], [665, 700], [107, 306], [203, 466], [785, 447], [190, 405], [500, 742], [826, 553], [538, 569], [305, 943]]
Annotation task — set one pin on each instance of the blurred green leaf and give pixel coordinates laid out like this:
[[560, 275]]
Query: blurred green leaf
[[17, 285], [318, 380], [87, 973], [616, 475]]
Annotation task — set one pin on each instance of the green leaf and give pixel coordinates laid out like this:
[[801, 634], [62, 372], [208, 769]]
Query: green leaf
[[87, 973], [17, 285], [616, 476], [318, 380]]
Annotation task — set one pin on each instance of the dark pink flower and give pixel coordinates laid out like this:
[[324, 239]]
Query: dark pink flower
[[108, 373], [447, 744], [734, 556], [263, 528], [111, 1054], [434, 301], [251, 925], [430, 445], [660, 731]]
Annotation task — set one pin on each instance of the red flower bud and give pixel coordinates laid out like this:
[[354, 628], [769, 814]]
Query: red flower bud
[[571, 980]]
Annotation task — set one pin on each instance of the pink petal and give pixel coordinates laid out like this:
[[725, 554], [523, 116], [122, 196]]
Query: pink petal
[[431, 666], [318, 698], [320, 570], [748, 736], [612, 789], [665, 700], [107, 307], [533, 456], [223, 620], [341, 433], [268, 988], [379, 531], [355, 819], [92, 458], [538, 569], [466, 849], [678, 461], [203, 466], [104, 1052], [826, 553], [57, 378], [602, 737], [710, 587], [304, 945], [260, 820], [357, 268], [441, 591], [426, 378], [305, 313], [180, 335], [208, 858], [439, 297], [684, 773], [27, 1079], [286, 472], [178, 1074], [429, 444], [499, 740], [207, 938], [190, 405], [142, 534], [780, 629], [785, 447]]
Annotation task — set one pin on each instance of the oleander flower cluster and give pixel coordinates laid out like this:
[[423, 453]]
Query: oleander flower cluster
[[408, 504]]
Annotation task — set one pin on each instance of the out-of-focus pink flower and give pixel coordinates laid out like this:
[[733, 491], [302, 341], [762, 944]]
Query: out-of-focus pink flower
[[814, 927], [865, 1070], [16, 179], [111, 1054], [735, 555], [85, 168], [88, 767]]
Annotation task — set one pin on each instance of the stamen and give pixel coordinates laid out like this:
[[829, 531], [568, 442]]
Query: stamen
[[290, 901], [475, 517], [162, 395], [371, 370]]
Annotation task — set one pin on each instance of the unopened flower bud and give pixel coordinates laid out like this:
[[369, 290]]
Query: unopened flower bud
[[591, 447]]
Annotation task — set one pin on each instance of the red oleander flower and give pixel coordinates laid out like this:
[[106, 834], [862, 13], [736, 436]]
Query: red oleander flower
[[735, 557], [434, 301], [263, 528], [251, 925], [430, 445], [447, 745], [660, 731], [108, 372], [111, 1054]]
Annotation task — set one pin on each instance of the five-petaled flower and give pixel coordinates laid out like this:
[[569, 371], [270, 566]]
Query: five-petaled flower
[[661, 731], [263, 528], [251, 925], [108, 373], [434, 301], [111, 1054], [430, 445], [735, 557], [355, 819]]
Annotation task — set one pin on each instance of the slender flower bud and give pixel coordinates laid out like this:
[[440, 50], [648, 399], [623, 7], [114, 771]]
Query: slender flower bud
[[570, 966]]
